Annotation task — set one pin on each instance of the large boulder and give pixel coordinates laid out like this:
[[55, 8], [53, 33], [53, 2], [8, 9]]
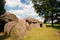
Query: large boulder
[[15, 30], [8, 17], [23, 22], [5, 18], [34, 23], [31, 20]]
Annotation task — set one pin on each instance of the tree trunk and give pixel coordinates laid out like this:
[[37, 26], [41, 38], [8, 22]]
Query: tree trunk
[[45, 21], [52, 18]]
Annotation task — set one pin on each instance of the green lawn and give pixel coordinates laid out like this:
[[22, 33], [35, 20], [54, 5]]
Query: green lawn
[[43, 34], [53, 24], [56, 26]]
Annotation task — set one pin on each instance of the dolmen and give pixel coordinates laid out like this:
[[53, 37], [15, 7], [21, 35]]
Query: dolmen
[[12, 27]]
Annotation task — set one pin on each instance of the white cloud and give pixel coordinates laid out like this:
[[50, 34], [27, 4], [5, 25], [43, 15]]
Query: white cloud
[[13, 3], [27, 11], [27, 8]]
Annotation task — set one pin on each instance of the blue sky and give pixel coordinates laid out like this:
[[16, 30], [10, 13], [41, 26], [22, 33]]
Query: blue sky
[[27, 2], [21, 8]]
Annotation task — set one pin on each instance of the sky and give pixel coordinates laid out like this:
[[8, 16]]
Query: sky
[[22, 9]]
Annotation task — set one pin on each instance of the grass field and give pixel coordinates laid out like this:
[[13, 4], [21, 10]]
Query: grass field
[[56, 26], [47, 33], [53, 24], [43, 34]]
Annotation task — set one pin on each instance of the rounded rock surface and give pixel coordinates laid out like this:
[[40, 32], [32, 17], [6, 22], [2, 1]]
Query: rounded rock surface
[[16, 30]]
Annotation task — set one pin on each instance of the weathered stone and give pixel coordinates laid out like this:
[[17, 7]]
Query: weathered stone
[[16, 30], [8, 27], [23, 22], [37, 25], [5, 18], [8, 17], [34, 23], [32, 20]]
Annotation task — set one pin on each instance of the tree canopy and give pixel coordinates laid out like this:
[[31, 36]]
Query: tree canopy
[[2, 9], [46, 7]]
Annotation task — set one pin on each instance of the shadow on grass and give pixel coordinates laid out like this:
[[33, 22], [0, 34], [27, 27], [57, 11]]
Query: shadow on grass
[[56, 27], [3, 37]]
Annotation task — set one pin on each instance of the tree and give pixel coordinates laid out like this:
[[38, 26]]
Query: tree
[[45, 7], [2, 9], [58, 11]]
